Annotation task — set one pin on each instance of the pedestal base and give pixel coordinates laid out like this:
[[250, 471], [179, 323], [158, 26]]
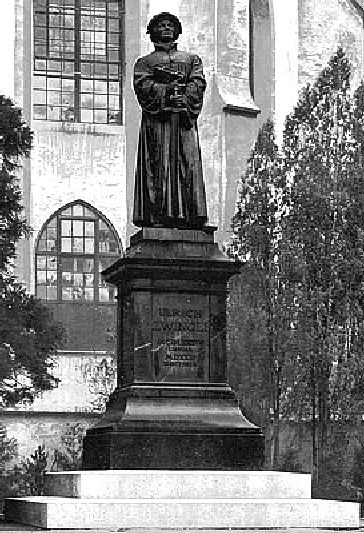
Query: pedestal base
[[120, 450], [174, 428], [172, 408]]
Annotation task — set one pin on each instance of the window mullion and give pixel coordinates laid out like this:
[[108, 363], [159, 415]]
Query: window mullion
[[96, 260], [59, 259], [77, 51], [122, 63], [47, 30]]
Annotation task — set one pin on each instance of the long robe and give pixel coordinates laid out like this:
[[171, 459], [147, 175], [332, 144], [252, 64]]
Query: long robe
[[169, 187]]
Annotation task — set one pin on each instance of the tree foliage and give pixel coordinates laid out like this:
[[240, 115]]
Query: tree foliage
[[299, 226], [28, 332], [15, 142], [258, 241]]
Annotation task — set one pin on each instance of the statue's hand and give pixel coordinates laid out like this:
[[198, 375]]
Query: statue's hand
[[177, 94], [179, 100]]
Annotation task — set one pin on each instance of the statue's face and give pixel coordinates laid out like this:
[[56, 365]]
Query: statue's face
[[165, 31]]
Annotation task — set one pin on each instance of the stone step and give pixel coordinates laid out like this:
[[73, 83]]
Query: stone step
[[72, 513], [134, 484]]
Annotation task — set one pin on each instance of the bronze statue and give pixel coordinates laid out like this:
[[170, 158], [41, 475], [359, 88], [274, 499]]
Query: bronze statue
[[169, 85]]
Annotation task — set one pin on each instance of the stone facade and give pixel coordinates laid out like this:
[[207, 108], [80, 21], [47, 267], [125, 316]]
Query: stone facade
[[77, 161], [42, 429], [324, 26]]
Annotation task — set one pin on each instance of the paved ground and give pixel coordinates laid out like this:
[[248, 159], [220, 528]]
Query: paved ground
[[9, 528]]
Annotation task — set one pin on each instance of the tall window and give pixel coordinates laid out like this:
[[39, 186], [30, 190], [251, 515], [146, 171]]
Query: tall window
[[78, 60], [74, 246]]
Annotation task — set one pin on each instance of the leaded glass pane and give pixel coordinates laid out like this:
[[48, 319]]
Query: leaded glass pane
[[67, 293], [103, 294], [88, 265], [51, 277], [87, 86], [41, 276], [42, 292], [100, 100], [54, 97], [87, 101], [89, 279], [42, 245], [51, 232], [89, 246], [87, 115], [39, 97], [41, 262], [53, 83], [40, 64], [66, 226], [66, 264], [78, 210], [89, 293], [100, 116], [78, 280], [67, 279], [78, 228], [39, 112], [39, 82], [52, 263], [100, 87], [89, 229], [78, 265], [66, 245], [77, 245], [51, 245], [51, 293], [67, 212], [53, 113]]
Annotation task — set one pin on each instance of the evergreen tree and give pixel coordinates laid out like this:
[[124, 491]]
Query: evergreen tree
[[324, 229], [257, 242], [28, 332], [302, 228], [15, 142]]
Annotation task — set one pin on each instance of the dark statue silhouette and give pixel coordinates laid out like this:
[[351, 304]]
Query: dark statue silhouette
[[169, 85]]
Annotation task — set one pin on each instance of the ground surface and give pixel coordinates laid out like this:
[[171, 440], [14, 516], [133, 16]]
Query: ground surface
[[9, 528]]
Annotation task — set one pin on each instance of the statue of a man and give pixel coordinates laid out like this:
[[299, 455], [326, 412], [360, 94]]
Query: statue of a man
[[169, 85]]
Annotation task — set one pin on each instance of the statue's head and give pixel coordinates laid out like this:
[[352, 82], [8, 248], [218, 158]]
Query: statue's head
[[164, 27]]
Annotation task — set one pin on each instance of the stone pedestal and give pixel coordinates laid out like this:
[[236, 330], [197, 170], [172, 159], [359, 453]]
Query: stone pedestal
[[172, 408]]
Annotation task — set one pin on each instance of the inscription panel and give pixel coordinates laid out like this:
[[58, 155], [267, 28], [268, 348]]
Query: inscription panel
[[180, 337]]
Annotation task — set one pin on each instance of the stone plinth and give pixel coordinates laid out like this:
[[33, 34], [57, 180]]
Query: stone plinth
[[69, 513], [152, 484], [172, 408]]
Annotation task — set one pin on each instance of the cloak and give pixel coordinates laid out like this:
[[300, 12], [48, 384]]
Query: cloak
[[169, 188]]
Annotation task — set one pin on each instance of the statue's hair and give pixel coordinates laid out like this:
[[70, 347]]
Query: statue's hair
[[162, 16]]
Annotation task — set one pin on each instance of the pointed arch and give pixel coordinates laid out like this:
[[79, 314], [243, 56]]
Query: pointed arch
[[73, 246]]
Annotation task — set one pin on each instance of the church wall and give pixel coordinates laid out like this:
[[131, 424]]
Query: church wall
[[86, 382], [7, 39], [240, 129], [83, 383], [78, 161], [42, 429], [22, 98], [324, 26], [284, 57]]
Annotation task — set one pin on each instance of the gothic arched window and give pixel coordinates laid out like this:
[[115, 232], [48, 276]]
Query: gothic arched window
[[73, 247]]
